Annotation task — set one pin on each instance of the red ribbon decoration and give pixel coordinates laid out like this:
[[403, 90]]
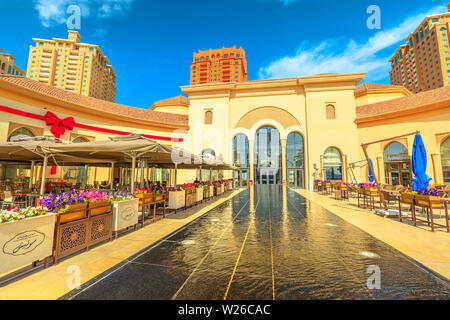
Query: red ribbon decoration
[[83, 126], [59, 126]]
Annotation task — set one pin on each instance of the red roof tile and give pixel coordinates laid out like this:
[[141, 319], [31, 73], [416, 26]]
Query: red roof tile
[[374, 86], [93, 103], [175, 101], [419, 102]]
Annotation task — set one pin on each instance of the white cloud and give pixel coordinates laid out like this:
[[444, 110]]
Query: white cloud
[[332, 56], [53, 12]]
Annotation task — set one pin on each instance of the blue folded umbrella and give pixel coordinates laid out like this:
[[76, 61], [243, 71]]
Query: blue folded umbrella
[[371, 178], [419, 165]]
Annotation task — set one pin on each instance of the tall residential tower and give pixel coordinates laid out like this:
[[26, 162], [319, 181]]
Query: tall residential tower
[[77, 67], [423, 63], [219, 65], [7, 65]]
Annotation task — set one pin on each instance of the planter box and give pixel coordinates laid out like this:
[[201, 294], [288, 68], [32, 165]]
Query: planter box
[[125, 214], [206, 192], [75, 212], [191, 195], [75, 235], [26, 241], [222, 188], [407, 197], [211, 191], [99, 207], [199, 194], [177, 200], [422, 200], [158, 197], [145, 198]]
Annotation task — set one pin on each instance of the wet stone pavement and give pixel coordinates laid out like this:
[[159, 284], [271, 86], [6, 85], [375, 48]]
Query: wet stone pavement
[[266, 243]]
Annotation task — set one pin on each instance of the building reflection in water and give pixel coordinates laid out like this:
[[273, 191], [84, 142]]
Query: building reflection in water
[[252, 199]]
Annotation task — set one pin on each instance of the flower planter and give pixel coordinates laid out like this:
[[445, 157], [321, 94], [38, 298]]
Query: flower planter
[[199, 194], [177, 200], [424, 201], [190, 197], [125, 214], [74, 235], [145, 198], [75, 212], [26, 241], [158, 197], [407, 197], [206, 192], [222, 188], [211, 191], [99, 207]]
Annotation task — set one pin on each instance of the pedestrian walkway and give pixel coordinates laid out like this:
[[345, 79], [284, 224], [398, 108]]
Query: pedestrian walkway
[[52, 283], [432, 249]]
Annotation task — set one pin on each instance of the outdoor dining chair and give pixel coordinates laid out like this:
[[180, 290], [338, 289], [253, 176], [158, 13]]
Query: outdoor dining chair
[[10, 201]]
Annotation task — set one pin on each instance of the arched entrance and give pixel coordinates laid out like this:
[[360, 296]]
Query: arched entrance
[[295, 157], [445, 160], [332, 164], [268, 156], [241, 159], [397, 163]]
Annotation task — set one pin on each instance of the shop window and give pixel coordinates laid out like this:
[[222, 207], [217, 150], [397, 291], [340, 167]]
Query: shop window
[[445, 161], [24, 132], [80, 139], [332, 164], [397, 164]]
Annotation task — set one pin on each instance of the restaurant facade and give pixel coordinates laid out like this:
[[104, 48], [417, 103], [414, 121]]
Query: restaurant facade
[[290, 131]]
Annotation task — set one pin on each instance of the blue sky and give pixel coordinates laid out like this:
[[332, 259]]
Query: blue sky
[[150, 43]]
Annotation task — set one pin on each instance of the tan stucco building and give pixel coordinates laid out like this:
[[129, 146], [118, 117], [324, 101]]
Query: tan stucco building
[[276, 131]]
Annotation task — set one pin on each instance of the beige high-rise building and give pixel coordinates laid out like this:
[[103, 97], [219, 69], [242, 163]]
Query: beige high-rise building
[[7, 65], [77, 67], [423, 63]]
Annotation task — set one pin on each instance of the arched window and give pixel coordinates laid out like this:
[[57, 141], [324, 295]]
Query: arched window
[[208, 117], [397, 164], [331, 112], [210, 153], [332, 164], [445, 160], [79, 140], [295, 151], [396, 151], [21, 132]]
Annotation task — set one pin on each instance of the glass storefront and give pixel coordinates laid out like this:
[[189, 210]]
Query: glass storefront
[[241, 158], [332, 164], [295, 157], [445, 161], [268, 156], [397, 164]]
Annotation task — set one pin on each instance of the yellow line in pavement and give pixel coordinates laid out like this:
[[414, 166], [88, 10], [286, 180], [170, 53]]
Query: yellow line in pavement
[[239, 256], [209, 251]]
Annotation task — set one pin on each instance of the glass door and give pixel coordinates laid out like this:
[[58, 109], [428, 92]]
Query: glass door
[[296, 178]]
